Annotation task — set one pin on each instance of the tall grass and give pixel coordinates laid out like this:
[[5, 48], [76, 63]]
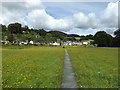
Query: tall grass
[[95, 67], [35, 67]]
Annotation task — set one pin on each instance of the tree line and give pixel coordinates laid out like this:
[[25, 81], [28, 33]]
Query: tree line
[[15, 32]]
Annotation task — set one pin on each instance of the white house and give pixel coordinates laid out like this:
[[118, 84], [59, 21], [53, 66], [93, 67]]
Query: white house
[[31, 42], [4, 42], [85, 42], [68, 43], [77, 43], [23, 42], [55, 43]]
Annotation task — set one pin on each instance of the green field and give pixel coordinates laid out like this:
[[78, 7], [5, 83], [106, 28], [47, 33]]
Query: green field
[[95, 67], [77, 38], [42, 67], [33, 67]]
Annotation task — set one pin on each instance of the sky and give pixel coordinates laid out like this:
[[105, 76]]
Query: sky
[[81, 18]]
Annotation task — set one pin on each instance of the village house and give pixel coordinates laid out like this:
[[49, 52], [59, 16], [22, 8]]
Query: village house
[[55, 44], [23, 42], [85, 42], [31, 42], [4, 42], [77, 43], [68, 43]]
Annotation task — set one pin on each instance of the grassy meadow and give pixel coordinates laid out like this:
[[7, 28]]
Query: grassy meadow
[[95, 67], [32, 67], [42, 67]]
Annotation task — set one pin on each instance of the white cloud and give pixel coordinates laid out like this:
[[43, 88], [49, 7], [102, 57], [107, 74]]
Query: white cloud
[[40, 19], [34, 4], [33, 14], [110, 15], [82, 21], [17, 11]]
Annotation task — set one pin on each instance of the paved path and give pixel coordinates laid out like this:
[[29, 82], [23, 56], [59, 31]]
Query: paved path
[[69, 76]]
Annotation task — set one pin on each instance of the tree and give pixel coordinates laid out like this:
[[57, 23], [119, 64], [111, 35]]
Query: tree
[[83, 38], [27, 37], [49, 38], [103, 39], [15, 28], [58, 34], [41, 32], [73, 35], [117, 33], [3, 27], [90, 36], [10, 38], [116, 40], [41, 40], [25, 29]]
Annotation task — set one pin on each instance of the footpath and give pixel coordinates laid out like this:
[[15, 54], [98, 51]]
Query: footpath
[[69, 80]]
